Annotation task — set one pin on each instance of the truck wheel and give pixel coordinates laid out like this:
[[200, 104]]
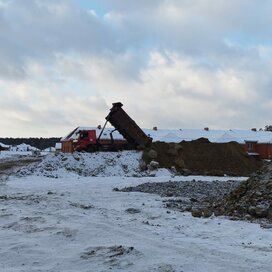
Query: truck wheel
[[91, 149]]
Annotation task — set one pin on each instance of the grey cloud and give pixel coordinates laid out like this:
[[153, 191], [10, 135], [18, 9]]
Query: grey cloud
[[41, 29], [33, 29], [37, 115], [110, 56]]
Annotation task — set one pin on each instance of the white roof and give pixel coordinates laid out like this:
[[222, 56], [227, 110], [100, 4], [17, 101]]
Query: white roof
[[23, 147], [178, 135], [3, 145], [254, 136], [106, 133], [214, 136], [184, 134]]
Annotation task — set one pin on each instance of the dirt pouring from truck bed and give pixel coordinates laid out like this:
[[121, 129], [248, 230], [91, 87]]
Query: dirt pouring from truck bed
[[201, 157]]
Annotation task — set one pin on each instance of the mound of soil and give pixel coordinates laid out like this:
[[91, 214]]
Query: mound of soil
[[201, 157], [251, 199]]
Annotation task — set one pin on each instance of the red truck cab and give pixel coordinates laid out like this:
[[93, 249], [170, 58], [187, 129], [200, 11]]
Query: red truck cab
[[86, 140]]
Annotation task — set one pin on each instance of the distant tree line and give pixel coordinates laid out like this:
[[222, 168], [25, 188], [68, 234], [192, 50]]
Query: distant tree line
[[40, 143]]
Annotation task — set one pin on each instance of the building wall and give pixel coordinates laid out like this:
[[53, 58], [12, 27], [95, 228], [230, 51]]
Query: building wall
[[252, 147], [67, 147], [264, 150]]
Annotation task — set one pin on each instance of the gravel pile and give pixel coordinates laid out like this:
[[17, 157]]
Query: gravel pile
[[248, 200], [186, 195], [252, 199]]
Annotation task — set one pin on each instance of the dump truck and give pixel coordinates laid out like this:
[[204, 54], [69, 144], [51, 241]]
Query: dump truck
[[134, 136]]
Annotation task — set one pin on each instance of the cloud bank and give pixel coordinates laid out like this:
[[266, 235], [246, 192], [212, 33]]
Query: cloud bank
[[173, 64]]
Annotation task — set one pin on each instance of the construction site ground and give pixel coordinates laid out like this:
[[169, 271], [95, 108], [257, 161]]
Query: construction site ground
[[102, 211]]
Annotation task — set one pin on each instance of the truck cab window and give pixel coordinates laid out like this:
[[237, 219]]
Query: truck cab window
[[83, 135]]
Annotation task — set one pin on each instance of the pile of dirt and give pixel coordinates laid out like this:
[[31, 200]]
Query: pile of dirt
[[251, 199], [201, 157]]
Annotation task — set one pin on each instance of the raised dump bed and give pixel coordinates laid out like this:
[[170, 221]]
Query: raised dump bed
[[127, 127]]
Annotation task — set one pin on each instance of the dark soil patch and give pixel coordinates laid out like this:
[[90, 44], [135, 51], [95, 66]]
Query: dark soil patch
[[9, 164]]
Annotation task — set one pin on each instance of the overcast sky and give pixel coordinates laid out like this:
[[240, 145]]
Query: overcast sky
[[172, 63]]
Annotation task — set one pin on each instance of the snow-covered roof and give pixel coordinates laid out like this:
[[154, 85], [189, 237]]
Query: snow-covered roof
[[106, 133], [178, 135], [3, 145], [23, 147], [254, 136], [215, 136]]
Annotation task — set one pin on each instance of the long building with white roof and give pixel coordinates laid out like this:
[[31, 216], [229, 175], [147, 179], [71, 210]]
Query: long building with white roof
[[257, 143]]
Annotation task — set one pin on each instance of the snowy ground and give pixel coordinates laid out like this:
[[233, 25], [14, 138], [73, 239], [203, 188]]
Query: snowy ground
[[16, 154], [77, 223], [9, 154]]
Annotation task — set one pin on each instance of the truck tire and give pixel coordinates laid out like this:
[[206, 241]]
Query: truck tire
[[91, 148]]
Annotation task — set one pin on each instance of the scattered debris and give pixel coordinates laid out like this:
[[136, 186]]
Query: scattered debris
[[121, 257], [82, 206], [133, 210]]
